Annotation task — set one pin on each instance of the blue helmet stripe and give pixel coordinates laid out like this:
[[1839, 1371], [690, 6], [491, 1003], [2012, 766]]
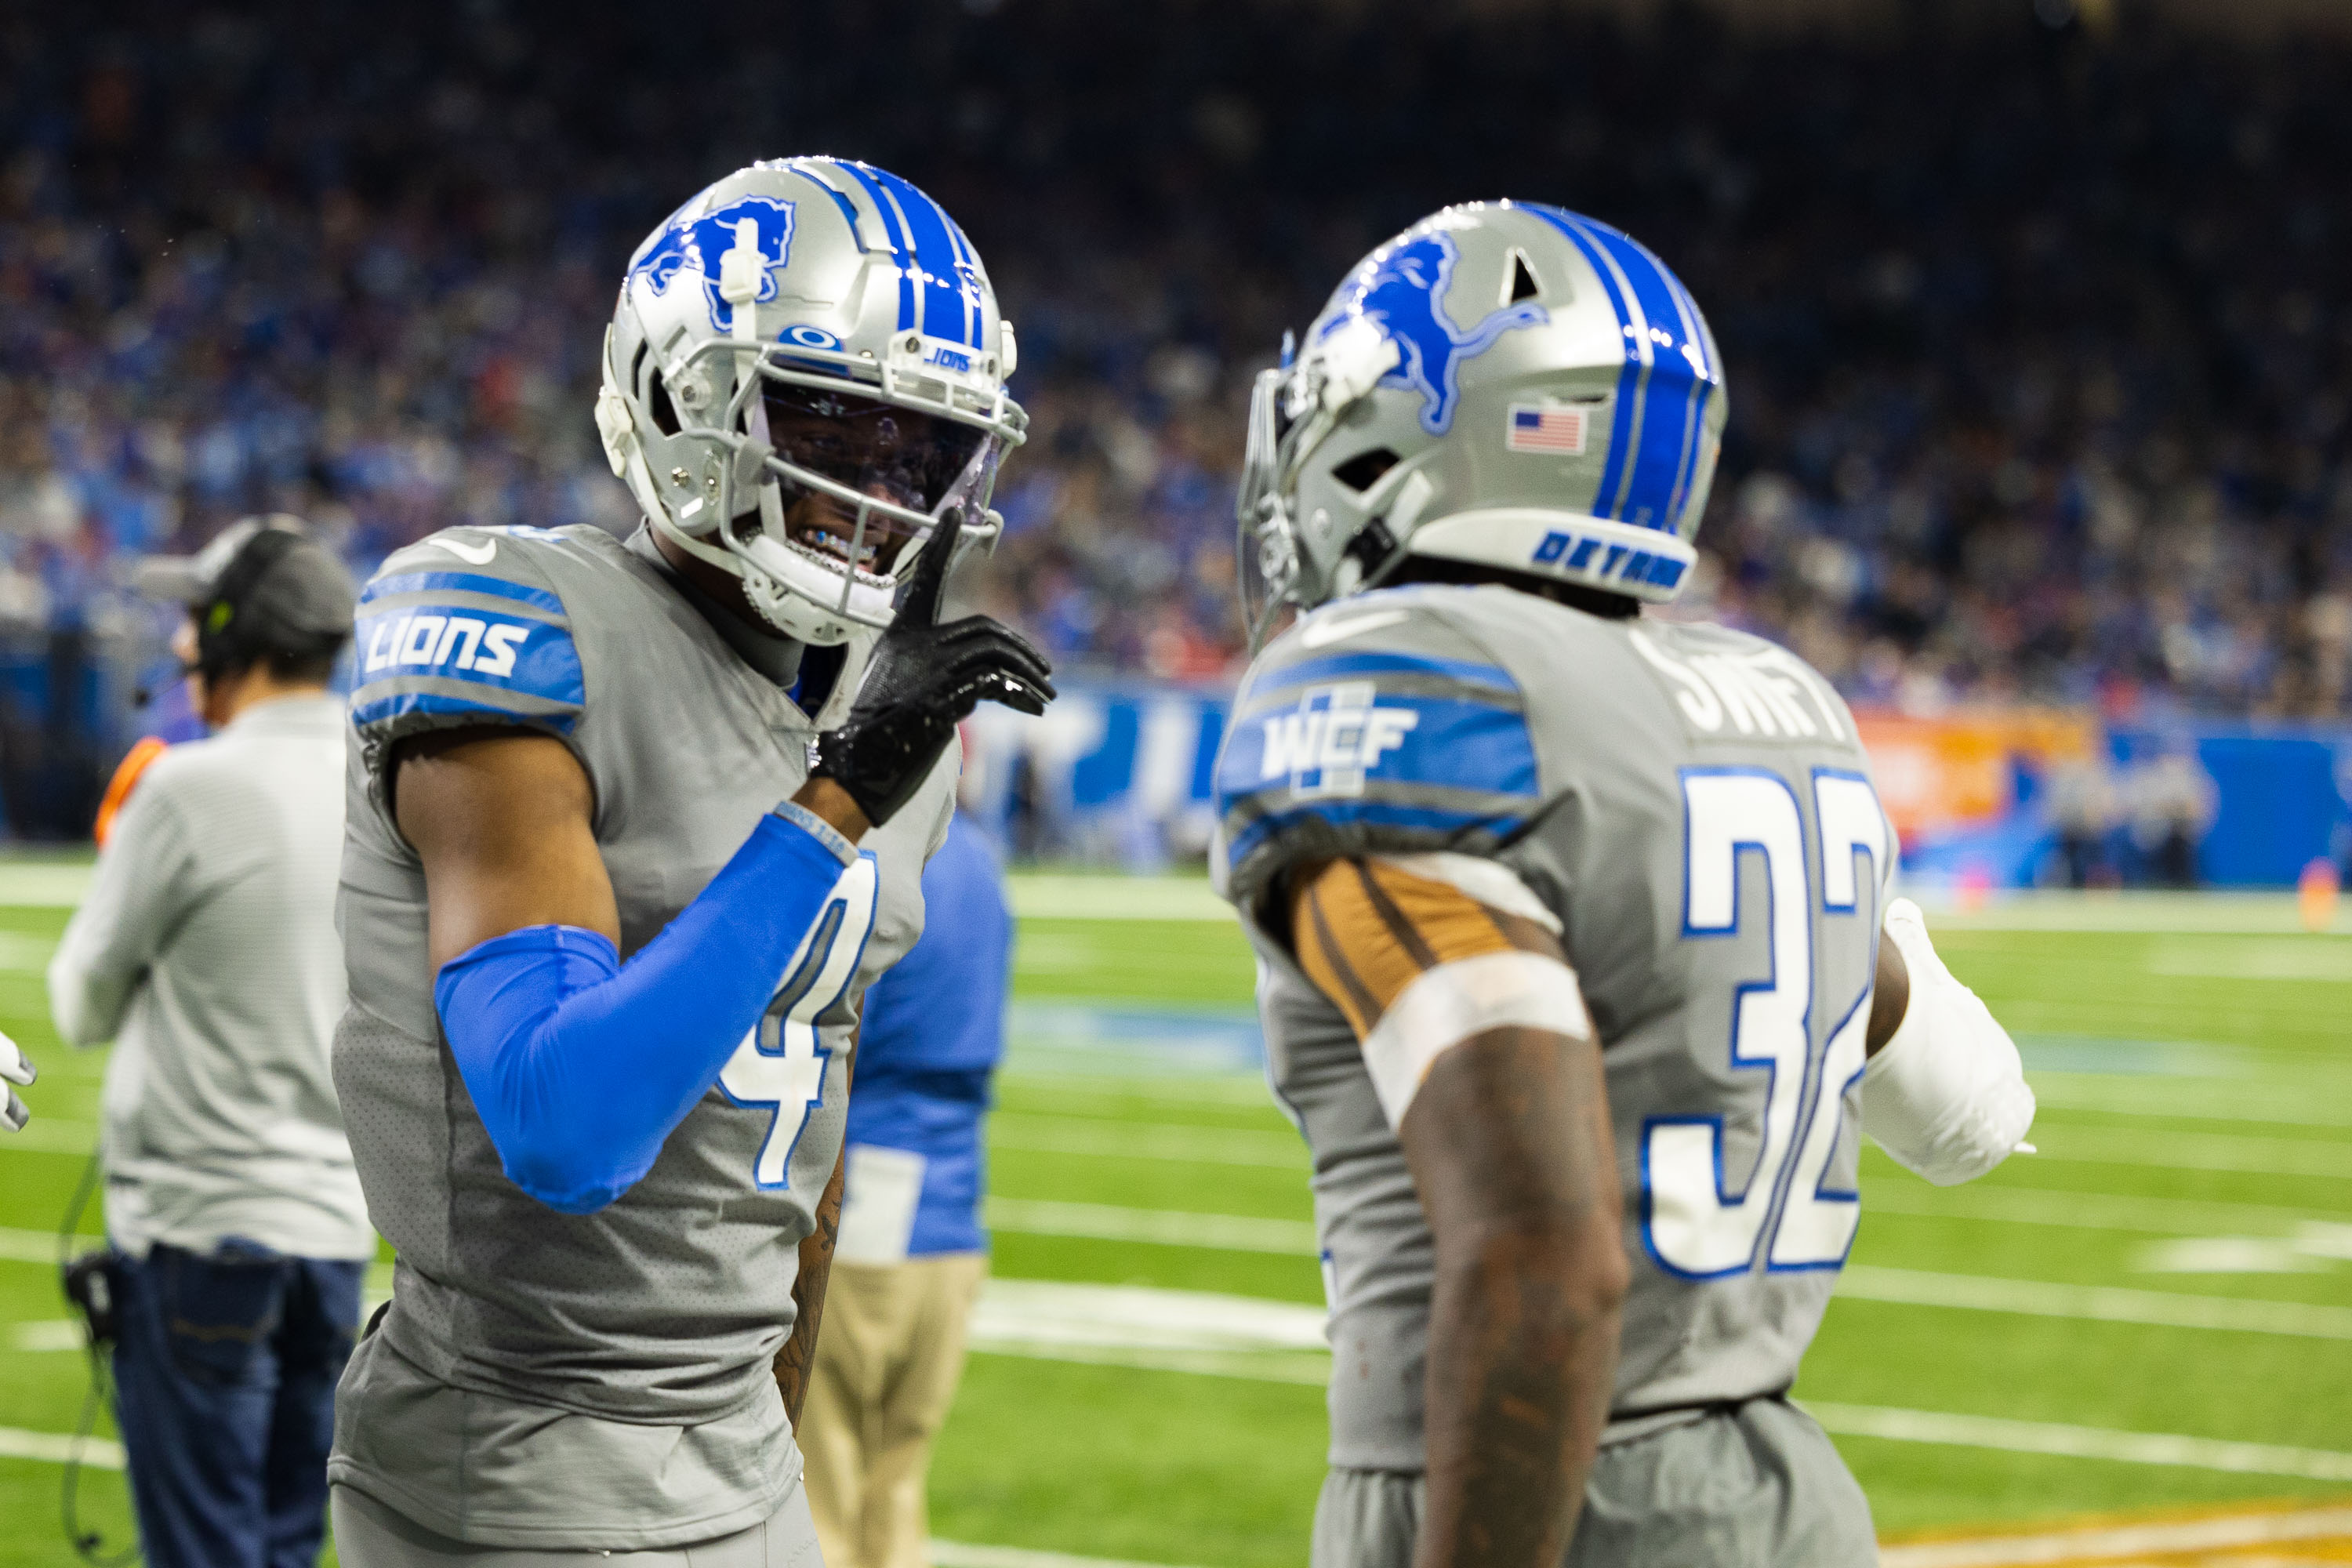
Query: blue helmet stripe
[[943, 304], [1694, 329], [891, 231], [1668, 394], [1629, 379]]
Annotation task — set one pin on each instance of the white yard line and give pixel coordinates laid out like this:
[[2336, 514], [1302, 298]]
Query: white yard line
[[2188, 914], [41, 1335], [1046, 896], [2164, 1538], [1162, 1227], [1145, 1141], [57, 1447], [1863, 1282], [1109, 1138], [2093, 1303], [2001, 1202], [2190, 1100], [42, 1135], [40, 1246], [2171, 1148], [2051, 1437]]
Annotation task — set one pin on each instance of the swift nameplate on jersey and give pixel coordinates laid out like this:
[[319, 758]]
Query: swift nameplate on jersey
[[1749, 691]]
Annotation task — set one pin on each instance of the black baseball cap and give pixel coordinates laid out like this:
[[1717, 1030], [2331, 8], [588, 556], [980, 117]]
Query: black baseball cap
[[262, 586]]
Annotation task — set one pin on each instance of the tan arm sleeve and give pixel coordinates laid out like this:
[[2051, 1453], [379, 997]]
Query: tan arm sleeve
[[1365, 929]]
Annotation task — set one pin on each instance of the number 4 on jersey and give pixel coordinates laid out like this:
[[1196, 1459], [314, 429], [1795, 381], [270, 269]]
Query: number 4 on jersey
[[1694, 1224], [780, 1063]]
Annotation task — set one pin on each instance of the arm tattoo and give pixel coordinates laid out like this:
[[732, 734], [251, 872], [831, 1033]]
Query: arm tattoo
[[799, 1355], [797, 1359]]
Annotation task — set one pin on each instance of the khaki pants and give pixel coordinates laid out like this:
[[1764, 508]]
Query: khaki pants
[[889, 1354]]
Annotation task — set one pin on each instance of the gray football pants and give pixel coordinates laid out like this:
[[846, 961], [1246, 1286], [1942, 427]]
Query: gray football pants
[[370, 1535], [1761, 1487]]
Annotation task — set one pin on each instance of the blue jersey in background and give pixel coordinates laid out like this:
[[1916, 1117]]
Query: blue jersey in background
[[934, 1031]]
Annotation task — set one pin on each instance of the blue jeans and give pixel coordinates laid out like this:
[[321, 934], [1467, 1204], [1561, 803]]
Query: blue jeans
[[225, 1390]]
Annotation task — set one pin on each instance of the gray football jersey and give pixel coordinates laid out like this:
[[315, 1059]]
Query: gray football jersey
[[1694, 804], [594, 1381]]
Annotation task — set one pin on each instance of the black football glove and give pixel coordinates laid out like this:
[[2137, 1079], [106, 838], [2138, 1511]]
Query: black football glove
[[923, 678]]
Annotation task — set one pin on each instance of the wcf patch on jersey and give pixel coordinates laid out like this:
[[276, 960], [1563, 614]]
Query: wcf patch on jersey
[[1335, 736]]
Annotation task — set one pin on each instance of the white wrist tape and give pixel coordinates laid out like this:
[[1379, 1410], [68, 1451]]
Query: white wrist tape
[[1453, 1002], [1946, 1096]]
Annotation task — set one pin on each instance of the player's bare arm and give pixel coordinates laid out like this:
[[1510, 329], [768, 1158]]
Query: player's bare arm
[[501, 820], [1469, 1013], [1890, 997], [1944, 1089]]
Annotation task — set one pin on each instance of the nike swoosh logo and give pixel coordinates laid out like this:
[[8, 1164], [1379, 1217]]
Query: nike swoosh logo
[[474, 554], [1322, 633]]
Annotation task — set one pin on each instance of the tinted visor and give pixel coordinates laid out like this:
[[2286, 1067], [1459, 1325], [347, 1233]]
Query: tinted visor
[[878, 449]]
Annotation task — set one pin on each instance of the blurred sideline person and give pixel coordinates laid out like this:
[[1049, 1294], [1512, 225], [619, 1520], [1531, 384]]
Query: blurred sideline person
[[633, 828], [912, 1251], [1570, 930], [206, 951]]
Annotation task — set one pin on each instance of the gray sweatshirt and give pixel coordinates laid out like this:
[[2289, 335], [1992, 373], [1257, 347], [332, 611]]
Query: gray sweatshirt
[[206, 951]]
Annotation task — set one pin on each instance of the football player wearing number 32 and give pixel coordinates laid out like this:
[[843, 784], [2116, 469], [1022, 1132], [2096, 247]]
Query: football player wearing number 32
[[1569, 925], [633, 825]]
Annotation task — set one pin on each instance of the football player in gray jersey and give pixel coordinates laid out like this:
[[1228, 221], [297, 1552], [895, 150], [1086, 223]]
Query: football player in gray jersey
[[1568, 922], [633, 828]]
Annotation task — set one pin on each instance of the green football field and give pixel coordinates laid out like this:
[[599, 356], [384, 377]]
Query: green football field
[[2155, 1312]]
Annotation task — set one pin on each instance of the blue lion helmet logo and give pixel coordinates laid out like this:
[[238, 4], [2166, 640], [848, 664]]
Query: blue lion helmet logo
[[698, 243], [1402, 290]]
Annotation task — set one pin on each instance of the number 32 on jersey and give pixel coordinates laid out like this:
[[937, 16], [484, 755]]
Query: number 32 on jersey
[[1744, 821], [779, 1064]]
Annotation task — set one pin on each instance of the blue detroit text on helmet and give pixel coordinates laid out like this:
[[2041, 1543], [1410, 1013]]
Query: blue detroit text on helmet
[[1621, 563], [1401, 288], [698, 243]]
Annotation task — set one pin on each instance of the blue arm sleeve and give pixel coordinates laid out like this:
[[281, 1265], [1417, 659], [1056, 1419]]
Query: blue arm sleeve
[[580, 1066]]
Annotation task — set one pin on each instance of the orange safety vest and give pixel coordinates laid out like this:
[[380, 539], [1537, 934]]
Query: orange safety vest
[[118, 789]]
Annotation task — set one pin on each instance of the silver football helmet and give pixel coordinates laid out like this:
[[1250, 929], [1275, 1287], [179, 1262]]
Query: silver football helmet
[[1503, 383], [806, 367]]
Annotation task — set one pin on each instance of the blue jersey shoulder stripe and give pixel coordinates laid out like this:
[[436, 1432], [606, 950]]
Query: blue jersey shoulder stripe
[[1336, 743], [1344, 665], [460, 643], [377, 711], [892, 230], [1366, 813], [460, 583]]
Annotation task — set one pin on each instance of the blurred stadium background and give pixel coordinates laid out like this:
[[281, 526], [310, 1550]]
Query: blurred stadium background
[[2040, 342]]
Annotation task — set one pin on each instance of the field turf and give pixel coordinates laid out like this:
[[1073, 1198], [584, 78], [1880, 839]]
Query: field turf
[[2153, 1312]]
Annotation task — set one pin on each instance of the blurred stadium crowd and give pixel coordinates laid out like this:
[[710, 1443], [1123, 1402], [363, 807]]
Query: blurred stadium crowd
[[2038, 341]]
